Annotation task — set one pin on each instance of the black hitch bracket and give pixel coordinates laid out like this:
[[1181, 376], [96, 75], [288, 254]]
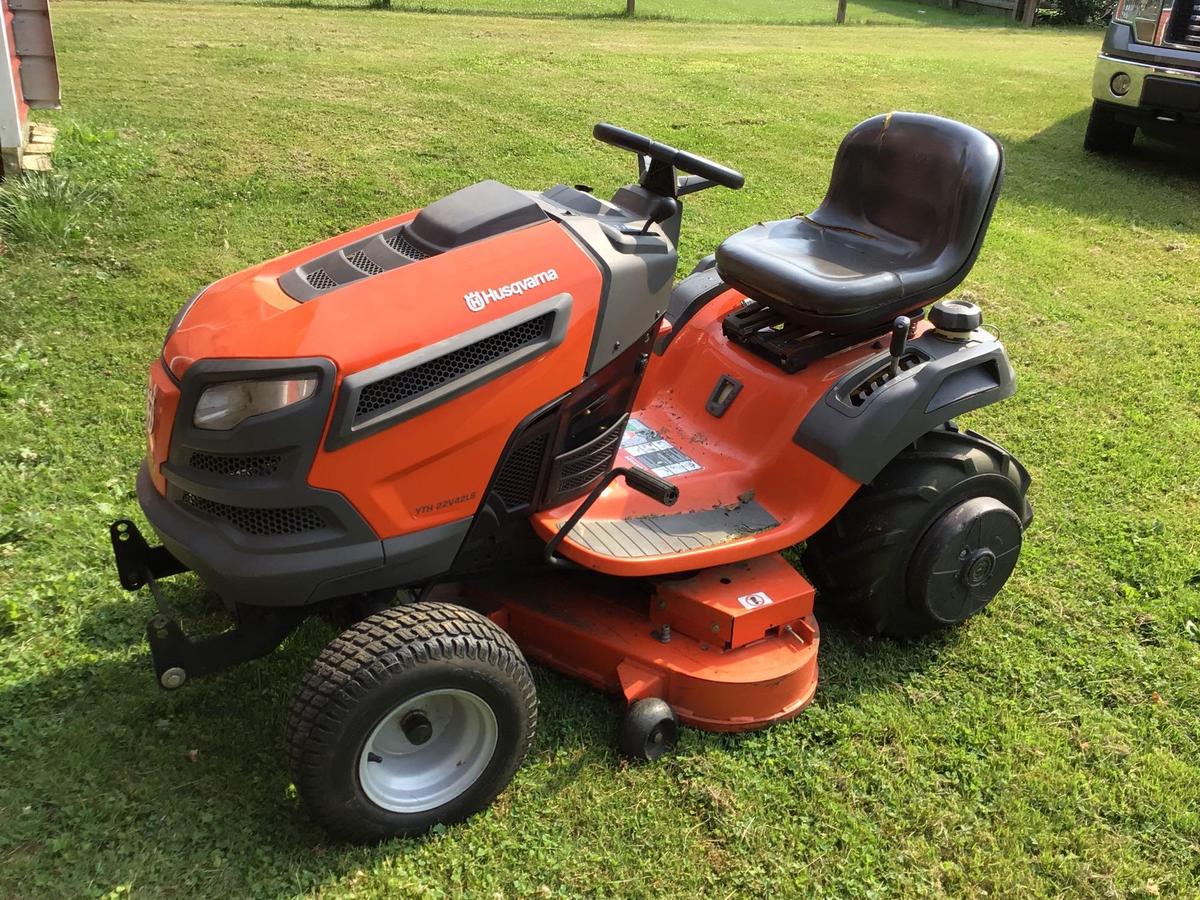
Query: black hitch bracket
[[178, 657], [138, 563]]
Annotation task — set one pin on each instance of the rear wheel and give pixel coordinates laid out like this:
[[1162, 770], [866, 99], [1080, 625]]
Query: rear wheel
[[413, 717], [1105, 134], [930, 541]]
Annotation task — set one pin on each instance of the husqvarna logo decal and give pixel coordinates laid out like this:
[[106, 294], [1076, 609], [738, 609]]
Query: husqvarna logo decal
[[477, 301]]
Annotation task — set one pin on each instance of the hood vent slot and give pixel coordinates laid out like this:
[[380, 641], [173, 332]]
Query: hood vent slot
[[364, 258], [321, 280], [400, 244], [363, 262], [472, 214]]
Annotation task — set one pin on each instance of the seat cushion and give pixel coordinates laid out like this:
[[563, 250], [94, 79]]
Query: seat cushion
[[816, 269], [908, 205]]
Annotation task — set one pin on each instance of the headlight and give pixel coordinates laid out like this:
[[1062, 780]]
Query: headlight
[[1147, 17], [224, 405]]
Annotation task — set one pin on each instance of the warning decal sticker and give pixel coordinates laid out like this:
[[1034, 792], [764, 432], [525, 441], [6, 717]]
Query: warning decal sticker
[[755, 600], [652, 451]]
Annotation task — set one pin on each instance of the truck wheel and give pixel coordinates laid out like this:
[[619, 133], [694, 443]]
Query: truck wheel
[[413, 717], [1105, 134], [930, 541]]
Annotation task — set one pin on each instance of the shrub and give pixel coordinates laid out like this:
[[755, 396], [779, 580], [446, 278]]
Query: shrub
[[1081, 12]]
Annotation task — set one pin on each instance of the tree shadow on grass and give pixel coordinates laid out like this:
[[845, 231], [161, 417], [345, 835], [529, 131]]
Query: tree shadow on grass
[[921, 13], [905, 10], [1154, 185], [416, 6]]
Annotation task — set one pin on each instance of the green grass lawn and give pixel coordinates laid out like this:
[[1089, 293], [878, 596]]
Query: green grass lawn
[[1051, 747]]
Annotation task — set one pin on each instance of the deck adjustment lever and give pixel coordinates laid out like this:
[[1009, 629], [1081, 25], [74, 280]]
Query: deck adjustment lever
[[640, 480], [645, 482]]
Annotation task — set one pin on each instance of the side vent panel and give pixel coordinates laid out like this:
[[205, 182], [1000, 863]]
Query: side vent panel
[[395, 391], [516, 483], [389, 392]]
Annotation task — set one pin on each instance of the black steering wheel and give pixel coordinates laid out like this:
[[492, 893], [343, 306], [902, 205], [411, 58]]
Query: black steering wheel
[[668, 157]]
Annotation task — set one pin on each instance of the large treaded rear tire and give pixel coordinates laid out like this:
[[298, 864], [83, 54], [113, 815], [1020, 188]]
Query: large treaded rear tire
[[1105, 134], [372, 669], [866, 560]]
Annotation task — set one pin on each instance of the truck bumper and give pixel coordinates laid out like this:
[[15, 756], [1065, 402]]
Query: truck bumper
[[1155, 94]]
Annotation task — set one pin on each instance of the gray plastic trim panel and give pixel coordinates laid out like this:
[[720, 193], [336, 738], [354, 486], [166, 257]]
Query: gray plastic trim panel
[[954, 378]]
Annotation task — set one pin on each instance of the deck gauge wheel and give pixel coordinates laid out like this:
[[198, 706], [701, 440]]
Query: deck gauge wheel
[[648, 731]]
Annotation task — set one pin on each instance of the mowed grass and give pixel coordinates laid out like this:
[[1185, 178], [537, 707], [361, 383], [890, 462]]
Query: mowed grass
[[1051, 747]]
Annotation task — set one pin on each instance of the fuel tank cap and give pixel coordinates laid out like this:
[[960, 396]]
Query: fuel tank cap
[[956, 317]]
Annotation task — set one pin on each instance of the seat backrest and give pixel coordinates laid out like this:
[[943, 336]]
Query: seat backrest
[[930, 182]]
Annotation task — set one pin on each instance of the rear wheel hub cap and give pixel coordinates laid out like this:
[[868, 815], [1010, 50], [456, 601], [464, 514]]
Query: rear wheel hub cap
[[964, 559]]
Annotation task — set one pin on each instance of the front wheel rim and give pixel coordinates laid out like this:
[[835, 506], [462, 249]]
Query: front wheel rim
[[428, 751]]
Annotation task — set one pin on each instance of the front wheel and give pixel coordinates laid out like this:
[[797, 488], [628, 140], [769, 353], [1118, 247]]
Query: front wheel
[[413, 717], [1105, 134], [930, 541]]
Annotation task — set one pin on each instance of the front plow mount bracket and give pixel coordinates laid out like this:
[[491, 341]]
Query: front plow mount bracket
[[139, 564], [178, 657]]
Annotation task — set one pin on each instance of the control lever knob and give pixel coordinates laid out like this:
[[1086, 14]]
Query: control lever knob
[[899, 343], [652, 486]]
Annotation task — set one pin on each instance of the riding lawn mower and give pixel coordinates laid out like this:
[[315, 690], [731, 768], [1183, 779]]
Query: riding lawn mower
[[496, 429]]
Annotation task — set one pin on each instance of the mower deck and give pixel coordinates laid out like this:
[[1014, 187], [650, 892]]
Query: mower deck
[[732, 648]]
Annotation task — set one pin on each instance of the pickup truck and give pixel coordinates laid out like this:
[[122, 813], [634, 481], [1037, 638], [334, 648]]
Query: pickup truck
[[1147, 75]]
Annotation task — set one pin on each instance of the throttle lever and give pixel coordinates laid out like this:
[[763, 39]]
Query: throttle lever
[[899, 343]]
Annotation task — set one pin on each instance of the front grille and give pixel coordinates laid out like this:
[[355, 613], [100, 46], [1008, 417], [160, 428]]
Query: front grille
[[1183, 29], [517, 481], [246, 466], [295, 520], [321, 280], [364, 263], [587, 463], [410, 383], [400, 244]]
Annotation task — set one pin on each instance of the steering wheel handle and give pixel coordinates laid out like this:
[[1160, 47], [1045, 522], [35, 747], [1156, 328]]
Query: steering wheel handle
[[664, 153]]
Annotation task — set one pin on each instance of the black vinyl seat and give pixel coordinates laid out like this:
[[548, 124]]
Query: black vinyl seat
[[907, 209]]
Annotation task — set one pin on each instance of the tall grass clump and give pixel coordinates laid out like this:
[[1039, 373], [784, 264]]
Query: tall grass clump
[[48, 210]]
